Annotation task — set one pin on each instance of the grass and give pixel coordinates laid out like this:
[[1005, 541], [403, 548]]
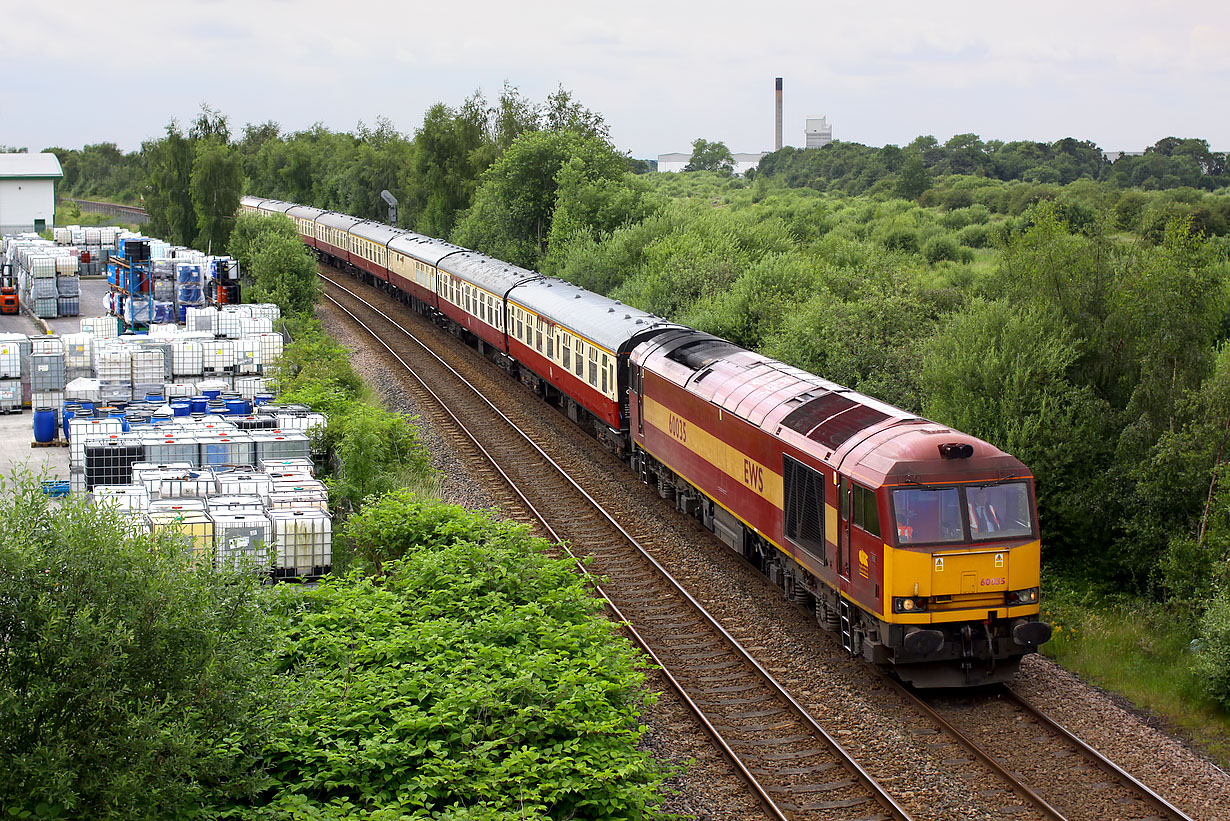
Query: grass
[[1141, 650]]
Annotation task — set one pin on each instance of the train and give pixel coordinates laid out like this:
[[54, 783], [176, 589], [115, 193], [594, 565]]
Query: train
[[917, 545]]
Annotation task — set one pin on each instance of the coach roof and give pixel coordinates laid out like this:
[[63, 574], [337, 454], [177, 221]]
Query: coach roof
[[601, 319]]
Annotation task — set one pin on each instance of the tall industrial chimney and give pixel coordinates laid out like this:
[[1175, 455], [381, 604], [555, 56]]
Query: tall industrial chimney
[[777, 133]]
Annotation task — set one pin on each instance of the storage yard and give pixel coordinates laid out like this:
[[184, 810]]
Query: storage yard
[[160, 408]]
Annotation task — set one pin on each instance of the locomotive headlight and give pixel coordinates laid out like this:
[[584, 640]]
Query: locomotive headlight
[[1026, 596], [908, 604]]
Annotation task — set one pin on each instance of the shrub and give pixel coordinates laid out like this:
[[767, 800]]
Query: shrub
[[941, 247], [975, 236], [131, 684], [902, 239], [1212, 664], [475, 677]]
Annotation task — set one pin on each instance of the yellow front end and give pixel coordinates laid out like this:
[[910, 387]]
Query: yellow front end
[[961, 584]]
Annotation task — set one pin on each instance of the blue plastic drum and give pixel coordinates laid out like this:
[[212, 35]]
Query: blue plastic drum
[[44, 425], [71, 409]]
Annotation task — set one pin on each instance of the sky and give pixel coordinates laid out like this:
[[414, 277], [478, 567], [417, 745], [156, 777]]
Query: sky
[[662, 74]]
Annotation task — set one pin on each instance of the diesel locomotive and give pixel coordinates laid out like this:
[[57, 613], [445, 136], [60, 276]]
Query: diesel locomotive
[[918, 545]]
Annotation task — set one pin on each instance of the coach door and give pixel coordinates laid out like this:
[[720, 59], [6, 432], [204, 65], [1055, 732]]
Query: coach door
[[638, 388]]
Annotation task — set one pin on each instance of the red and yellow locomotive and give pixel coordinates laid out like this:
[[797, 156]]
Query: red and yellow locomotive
[[918, 544]]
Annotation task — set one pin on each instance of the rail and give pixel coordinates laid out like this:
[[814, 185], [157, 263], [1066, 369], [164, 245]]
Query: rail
[[877, 793]]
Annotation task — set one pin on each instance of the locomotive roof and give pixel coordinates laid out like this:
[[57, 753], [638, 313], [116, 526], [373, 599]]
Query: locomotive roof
[[867, 438], [377, 232]]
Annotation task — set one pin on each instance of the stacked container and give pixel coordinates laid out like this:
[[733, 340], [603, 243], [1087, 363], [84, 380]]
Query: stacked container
[[219, 357], [114, 368], [243, 538], [78, 355], [189, 522], [271, 349], [304, 540], [148, 372], [10, 373]]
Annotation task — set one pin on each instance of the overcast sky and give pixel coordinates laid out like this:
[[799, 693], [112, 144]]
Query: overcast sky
[[1122, 74]]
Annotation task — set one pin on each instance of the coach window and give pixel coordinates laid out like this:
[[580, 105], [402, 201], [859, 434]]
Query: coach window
[[606, 374], [538, 334], [565, 352], [551, 344], [593, 366], [865, 513], [580, 364]]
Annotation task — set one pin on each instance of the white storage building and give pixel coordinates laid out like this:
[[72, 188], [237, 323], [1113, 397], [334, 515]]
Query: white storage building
[[28, 192]]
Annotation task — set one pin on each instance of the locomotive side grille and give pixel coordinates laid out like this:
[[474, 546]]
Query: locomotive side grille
[[804, 503]]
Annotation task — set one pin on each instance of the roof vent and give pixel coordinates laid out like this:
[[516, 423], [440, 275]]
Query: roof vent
[[956, 450], [610, 310], [617, 302], [576, 296], [627, 316], [640, 322]]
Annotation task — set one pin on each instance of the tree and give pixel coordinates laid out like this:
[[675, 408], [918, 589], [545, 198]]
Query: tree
[[216, 186], [707, 156], [563, 113], [448, 159], [281, 268], [513, 210], [914, 178], [168, 199]]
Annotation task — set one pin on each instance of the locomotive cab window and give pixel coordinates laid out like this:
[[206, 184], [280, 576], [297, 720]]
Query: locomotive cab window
[[998, 511], [804, 507], [975, 512], [928, 515], [865, 515]]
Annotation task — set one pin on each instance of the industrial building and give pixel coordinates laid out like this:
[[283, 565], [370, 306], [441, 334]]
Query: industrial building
[[817, 132], [28, 192]]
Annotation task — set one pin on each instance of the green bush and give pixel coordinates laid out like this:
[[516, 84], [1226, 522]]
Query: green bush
[[475, 677], [975, 236], [132, 685], [1212, 663], [941, 247], [902, 239]]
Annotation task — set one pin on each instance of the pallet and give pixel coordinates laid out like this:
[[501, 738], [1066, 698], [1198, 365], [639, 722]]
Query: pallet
[[54, 443]]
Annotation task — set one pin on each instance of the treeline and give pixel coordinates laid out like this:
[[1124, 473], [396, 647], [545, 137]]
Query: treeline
[[854, 168], [190, 181]]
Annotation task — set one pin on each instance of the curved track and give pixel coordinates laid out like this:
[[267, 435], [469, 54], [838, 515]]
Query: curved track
[[793, 766]]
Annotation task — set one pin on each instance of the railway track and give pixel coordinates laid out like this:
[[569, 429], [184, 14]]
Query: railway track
[[791, 764], [991, 761], [1045, 764]]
